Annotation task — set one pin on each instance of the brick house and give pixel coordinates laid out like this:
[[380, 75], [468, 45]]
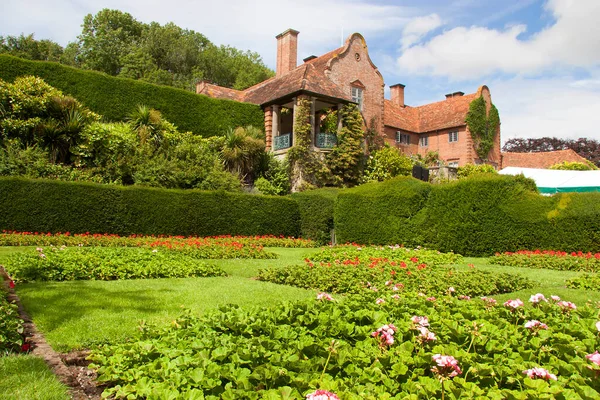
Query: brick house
[[347, 75]]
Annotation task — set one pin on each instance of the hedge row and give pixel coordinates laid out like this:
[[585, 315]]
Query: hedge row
[[316, 213], [475, 217], [114, 98], [54, 206]]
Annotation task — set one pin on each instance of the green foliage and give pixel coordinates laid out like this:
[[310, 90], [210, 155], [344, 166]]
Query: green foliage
[[11, 325], [387, 163], [29, 377], [316, 213], [377, 254], [115, 98], [485, 214], [574, 166], [556, 260], [242, 152], [345, 159], [52, 206], [381, 213], [482, 126], [585, 281], [106, 263], [276, 179], [288, 351], [470, 169], [29, 48]]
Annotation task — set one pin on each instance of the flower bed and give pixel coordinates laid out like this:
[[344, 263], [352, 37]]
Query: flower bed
[[108, 263], [363, 348], [251, 244], [350, 270], [549, 259], [585, 281]]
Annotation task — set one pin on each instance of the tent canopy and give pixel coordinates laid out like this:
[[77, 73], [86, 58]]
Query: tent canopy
[[550, 181]]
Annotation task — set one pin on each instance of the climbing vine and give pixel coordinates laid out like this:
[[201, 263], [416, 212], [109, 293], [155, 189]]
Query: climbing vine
[[342, 166], [483, 126]]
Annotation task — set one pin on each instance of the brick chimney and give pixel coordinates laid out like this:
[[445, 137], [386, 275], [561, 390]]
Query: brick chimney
[[287, 52], [397, 94], [455, 94]]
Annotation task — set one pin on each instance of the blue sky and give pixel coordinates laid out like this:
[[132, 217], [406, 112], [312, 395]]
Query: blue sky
[[540, 58]]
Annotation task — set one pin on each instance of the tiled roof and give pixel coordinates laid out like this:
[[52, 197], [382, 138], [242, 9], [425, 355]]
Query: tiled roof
[[540, 159], [309, 77], [444, 114]]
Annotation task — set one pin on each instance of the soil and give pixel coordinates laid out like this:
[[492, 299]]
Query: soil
[[70, 368]]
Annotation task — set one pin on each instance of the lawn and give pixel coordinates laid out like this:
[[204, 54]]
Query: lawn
[[27, 377]]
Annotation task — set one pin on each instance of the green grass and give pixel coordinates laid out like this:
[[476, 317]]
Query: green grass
[[81, 314], [26, 377]]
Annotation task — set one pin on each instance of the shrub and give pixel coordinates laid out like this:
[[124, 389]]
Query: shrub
[[105, 263], [380, 213], [11, 325], [316, 213], [471, 169], [53, 206], [115, 98], [584, 282], [558, 260], [574, 166], [387, 163]]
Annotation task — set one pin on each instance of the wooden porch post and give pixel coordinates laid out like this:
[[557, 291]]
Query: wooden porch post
[[275, 125]]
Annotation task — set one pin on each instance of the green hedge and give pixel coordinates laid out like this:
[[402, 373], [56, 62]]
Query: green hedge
[[316, 213], [54, 206], [381, 213], [114, 98], [477, 216]]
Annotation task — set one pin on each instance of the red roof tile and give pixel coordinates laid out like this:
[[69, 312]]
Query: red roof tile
[[542, 160]]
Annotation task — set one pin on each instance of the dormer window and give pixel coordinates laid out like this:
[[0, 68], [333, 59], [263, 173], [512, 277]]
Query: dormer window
[[357, 96]]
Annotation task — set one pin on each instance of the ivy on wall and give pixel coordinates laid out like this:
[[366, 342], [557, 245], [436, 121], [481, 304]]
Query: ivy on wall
[[482, 126]]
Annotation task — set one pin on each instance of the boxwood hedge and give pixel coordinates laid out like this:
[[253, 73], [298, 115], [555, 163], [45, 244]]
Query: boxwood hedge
[[316, 213], [54, 206], [114, 98]]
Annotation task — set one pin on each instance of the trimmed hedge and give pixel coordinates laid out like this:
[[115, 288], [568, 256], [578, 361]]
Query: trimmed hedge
[[114, 98], [316, 213], [381, 213], [54, 206], [476, 216]]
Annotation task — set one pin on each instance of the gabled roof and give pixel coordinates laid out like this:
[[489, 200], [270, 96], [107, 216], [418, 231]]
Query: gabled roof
[[308, 77], [444, 114], [542, 159]]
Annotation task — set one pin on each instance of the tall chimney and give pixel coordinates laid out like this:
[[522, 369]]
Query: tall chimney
[[397, 94], [287, 52]]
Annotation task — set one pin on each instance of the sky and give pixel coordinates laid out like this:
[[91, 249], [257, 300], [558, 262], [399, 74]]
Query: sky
[[540, 58]]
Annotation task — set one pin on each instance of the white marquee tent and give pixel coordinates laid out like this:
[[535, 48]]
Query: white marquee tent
[[550, 181]]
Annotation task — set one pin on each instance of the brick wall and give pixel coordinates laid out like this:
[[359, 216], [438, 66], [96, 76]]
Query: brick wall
[[347, 68]]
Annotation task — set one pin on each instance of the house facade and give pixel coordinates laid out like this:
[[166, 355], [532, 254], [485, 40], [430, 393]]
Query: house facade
[[347, 75]]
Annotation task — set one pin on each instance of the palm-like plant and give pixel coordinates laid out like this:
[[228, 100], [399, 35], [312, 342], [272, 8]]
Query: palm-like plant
[[61, 131], [147, 122], [242, 151]]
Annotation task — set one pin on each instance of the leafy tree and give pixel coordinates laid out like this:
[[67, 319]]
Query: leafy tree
[[586, 148], [107, 38], [574, 166], [31, 49]]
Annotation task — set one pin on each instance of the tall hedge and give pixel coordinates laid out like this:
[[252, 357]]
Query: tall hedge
[[381, 213], [114, 98], [54, 206], [316, 213]]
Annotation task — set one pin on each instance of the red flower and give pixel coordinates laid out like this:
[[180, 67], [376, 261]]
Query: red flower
[[11, 284], [26, 347]]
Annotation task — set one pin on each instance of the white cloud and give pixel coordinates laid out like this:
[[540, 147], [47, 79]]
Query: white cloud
[[533, 108], [473, 52], [418, 27]]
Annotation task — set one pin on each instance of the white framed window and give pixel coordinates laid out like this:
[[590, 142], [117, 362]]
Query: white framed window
[[424, 141], [453, 137], [453, 164], [402, 138], [357, 96]]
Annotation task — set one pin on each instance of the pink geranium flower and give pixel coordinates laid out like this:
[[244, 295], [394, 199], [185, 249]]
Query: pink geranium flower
[[594, 357], [447, 366], [322, 395], [385, 334], [537, 298], [535, 325], [566, 305], [539, 373], [324, 296], [513, 304], [425, 335], [488, 301], [379, 301], [421, 321]]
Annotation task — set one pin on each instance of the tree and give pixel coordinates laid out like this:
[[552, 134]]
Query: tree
[[586, 148], [106, 38], [31, 49], [387, 163], [242, 151]]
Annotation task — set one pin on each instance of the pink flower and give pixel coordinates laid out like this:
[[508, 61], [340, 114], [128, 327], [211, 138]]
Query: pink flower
[[537, 298], [398, 286], [538, 372], [425, 335], [379, 301], [566, 305], [488, 301], [42, 255], [322, 395], [555, 298], [513, 304], [598, 326], [463, 297], [421, 321], [385, 334], [447, 366], [594, 357], [396, 297], [535, 325], [324, 296], [432, 299], [39, 249], [451, 290]]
